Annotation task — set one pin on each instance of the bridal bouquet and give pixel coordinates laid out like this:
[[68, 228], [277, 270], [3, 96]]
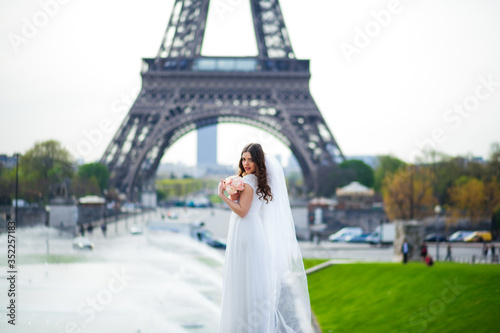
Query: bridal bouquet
[[234, 184]]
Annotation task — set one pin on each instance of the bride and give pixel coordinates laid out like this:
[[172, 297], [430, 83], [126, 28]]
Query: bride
[[265, 286]]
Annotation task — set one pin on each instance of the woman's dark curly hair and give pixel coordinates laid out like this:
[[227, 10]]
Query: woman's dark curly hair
[[255, 150]]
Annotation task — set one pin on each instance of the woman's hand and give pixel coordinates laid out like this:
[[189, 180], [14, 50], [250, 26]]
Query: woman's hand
[[222, 187], [242, 206]]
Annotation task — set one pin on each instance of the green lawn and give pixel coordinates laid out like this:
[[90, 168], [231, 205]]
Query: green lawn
[[29, 259], [309, 262], [413, 298]]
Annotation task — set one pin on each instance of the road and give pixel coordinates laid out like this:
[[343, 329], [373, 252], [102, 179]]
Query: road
[[217, 222]]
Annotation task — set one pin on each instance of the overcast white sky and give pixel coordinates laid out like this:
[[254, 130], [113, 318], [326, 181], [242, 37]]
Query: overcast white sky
[[82, 66]]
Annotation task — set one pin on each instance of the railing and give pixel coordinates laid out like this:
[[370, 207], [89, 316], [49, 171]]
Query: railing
[[476, 259], [224, 64]]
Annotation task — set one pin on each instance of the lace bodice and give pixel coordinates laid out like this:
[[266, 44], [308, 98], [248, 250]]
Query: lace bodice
[[251, 180]]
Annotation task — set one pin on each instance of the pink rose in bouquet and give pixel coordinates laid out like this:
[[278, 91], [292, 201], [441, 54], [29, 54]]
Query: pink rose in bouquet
[[234, 184]]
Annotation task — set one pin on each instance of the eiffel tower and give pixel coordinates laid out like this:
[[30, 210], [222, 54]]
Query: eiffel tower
[[183, 91]]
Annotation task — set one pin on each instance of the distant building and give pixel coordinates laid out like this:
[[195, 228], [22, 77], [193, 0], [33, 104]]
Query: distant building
[[465, 161], [355, 196], [207, 146], [91, 208], [8, 161], [354, 205], [178, 170]]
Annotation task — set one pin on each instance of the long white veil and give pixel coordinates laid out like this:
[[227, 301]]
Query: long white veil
[[289, 295]]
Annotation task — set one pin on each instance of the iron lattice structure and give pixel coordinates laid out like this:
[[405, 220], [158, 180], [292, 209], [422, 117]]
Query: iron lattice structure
[[183, 91]]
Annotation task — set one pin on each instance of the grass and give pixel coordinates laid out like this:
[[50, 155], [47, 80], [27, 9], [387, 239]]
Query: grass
[[311, 262], [406, 298], [215, 199], [209, 261], [53, 259]]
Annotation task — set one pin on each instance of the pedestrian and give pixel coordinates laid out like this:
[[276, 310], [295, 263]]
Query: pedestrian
[[428, 260], [82, 230], [405, 249], [448, 253], [104, 228], [423, 251], [493, 256], [485, 250], [90, 229]]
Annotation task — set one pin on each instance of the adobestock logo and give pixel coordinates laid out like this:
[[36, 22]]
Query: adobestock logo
[[95, 137], [428, 314], [257, 319], [363, 36], [31, 26], [463, 110], [224, 6], [456, 114], [104, 297]]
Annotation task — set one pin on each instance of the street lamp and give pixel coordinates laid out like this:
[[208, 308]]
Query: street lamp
[[136, 190], [437, 210], [47, 209], [17, 184]]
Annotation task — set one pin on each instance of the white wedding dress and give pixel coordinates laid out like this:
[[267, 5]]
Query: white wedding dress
[[265, 287]]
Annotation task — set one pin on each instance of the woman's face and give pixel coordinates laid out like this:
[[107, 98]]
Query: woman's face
[[248, 164]]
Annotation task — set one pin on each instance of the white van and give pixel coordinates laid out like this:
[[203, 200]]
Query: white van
[[383, 234], [345, 234]]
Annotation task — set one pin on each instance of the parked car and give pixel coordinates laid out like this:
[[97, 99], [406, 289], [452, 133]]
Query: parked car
[[131, 207], [432, 238], [83, 243], [136, 230], [206, 237], [459, 236], [479, 236], [358, 239], [345, 233]]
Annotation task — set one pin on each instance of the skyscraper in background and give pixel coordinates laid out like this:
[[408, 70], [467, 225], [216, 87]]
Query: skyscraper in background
[[207, 146]]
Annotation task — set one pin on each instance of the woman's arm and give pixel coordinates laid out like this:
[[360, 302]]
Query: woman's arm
[[241, 208], [234, 197]]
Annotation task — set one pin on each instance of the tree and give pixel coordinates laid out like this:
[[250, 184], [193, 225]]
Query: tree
[[160, 195], [492, 196], [448, 169], [493, 166], [387, 164], [358, 170], [97, 170], [7, 183], [45, 171], [474, 199], [332, 178], [294, 184], [85, 186], [408, 193]]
